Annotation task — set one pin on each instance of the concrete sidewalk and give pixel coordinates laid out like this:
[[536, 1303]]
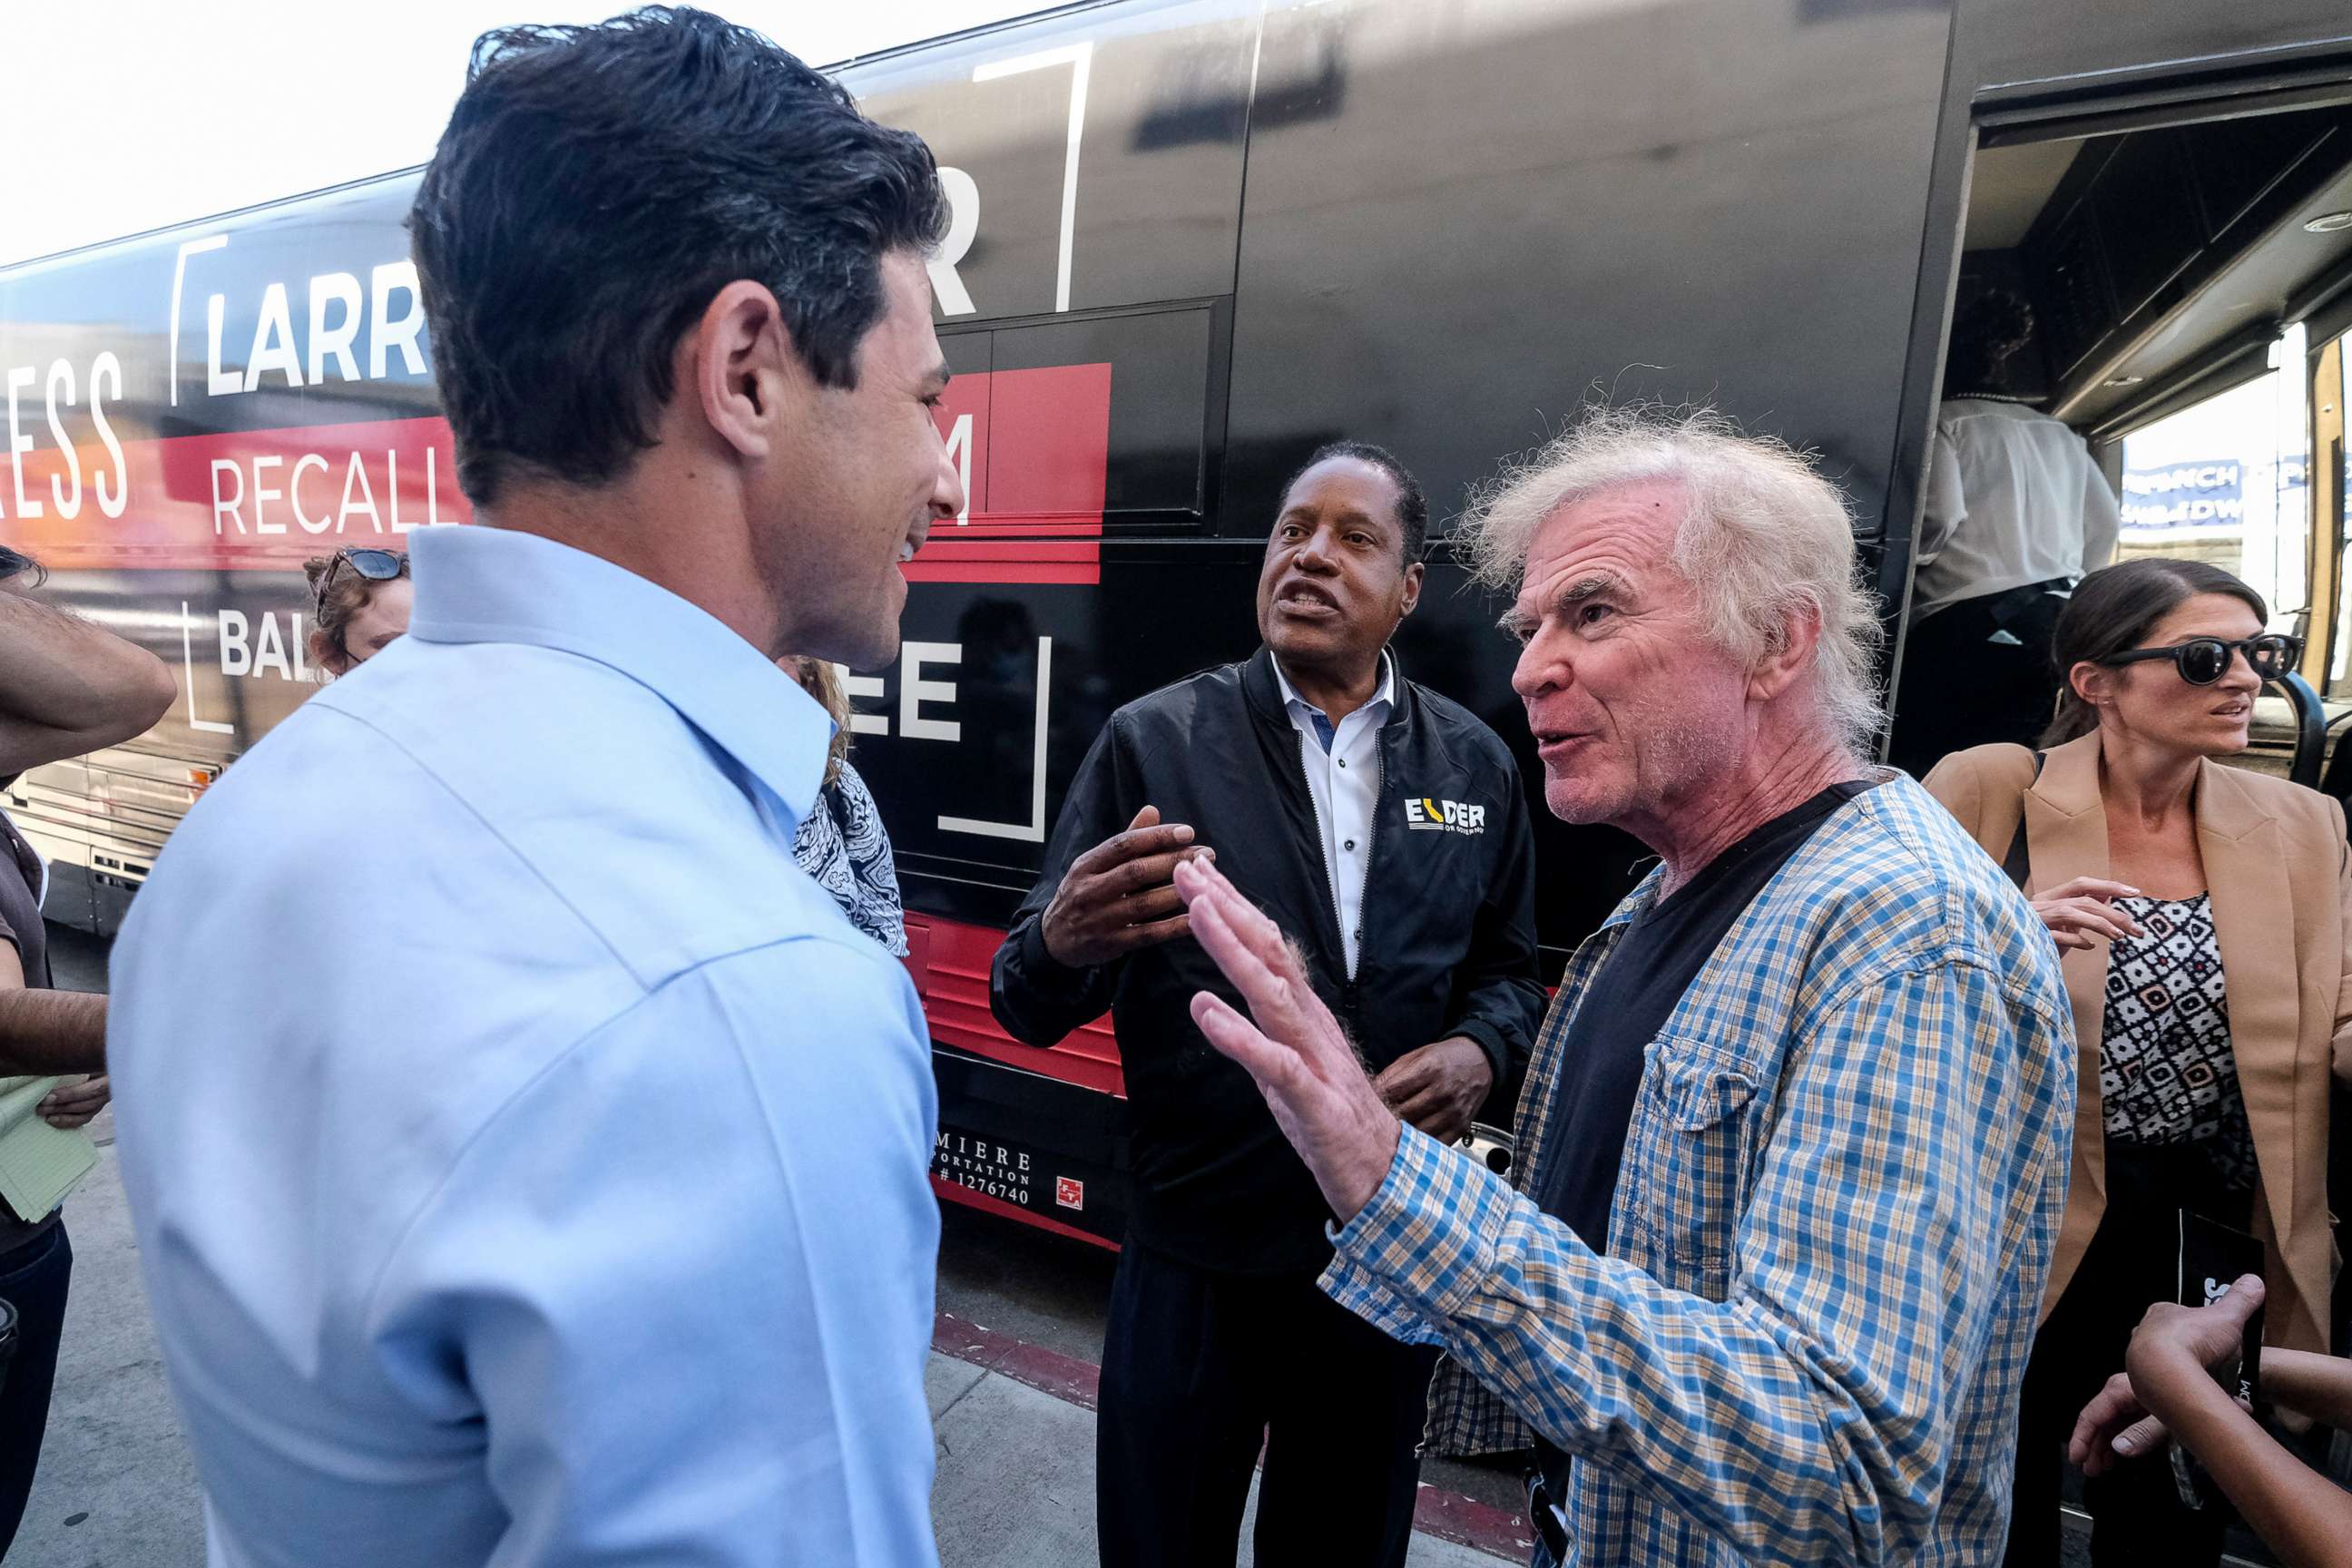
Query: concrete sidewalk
[[116, 1487]]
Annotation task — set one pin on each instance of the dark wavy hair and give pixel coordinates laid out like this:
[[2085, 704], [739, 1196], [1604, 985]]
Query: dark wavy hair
[[597, 185], [2116, 606], [1413, 507]]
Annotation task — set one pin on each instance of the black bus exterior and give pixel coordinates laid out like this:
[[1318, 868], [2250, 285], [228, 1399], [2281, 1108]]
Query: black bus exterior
[[1193, 240]]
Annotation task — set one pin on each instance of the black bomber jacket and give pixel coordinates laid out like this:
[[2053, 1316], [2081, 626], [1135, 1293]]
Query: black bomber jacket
[[1448, 943]]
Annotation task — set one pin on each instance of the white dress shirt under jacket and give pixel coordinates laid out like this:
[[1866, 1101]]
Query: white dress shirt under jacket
[[1343, 773], [526, 1158]]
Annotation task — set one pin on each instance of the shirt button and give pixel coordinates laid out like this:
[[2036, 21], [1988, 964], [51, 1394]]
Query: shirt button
[[1343, 762], [1349, 845]]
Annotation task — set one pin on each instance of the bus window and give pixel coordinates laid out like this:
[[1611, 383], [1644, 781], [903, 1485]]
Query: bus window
[[2226, 481]]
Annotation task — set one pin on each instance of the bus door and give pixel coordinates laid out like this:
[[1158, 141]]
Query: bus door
[[2188, 263], [2188, 270]]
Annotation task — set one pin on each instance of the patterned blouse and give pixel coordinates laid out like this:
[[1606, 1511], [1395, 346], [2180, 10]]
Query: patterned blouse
[[842, 845], [2167, 1075]]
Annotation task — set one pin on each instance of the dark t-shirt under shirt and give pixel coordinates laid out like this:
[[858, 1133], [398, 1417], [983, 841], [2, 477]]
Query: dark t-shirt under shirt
[[1627, 1003]]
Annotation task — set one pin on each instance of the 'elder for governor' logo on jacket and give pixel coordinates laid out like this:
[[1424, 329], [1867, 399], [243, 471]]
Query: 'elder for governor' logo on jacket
[[1423, 815]]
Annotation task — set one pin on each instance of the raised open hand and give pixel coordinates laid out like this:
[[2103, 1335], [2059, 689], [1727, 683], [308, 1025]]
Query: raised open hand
[[1303, 1061]]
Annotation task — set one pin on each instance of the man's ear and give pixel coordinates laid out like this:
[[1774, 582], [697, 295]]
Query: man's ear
[[1801, 637], [740, 368], [1415, 572]]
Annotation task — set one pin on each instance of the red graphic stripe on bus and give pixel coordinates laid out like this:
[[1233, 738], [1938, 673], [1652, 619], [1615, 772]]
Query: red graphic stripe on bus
[[1033, 448], [1036, 443], [951, 961]]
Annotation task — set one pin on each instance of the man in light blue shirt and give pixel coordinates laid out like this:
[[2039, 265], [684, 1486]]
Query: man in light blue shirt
[[527, 1160]]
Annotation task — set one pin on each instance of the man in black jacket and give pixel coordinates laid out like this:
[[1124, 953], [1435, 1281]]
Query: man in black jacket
[[1388, 825]]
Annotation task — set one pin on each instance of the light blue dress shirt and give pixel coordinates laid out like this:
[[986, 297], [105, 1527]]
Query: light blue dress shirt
[[1342, 763], [527, 1159]]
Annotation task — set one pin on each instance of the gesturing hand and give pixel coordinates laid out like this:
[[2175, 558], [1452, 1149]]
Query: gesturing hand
[[1116, 897], [2080, 910], [1302, 1060], [2172, 1343], [1440, 1086]]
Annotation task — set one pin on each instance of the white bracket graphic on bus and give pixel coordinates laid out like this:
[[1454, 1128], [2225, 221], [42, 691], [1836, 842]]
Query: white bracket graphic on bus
[[1033, 830], [1079, 58], [179, 278], [188, 666], [915, 690]]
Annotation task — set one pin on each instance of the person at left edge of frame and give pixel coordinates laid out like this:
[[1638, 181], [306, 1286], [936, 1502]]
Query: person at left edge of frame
[[1387, 827], [67, 688]]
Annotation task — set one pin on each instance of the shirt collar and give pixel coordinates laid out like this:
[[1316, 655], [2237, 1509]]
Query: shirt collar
[[480, 585], [1385, 696]]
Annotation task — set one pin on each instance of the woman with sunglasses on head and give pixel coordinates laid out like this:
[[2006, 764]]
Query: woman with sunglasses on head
[[360, 601], [2203, 914]]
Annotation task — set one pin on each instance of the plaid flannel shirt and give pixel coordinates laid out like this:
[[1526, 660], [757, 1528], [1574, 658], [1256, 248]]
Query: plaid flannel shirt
[[1842, 1182]]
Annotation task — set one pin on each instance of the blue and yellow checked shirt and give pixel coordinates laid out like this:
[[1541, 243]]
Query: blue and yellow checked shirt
[[1840, 1185]]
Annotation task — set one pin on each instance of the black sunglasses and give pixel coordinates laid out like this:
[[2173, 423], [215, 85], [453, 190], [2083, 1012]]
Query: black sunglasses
[[375, 565], [2201, 661]]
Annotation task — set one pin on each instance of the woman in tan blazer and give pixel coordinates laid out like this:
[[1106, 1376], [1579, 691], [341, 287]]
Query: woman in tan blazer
[[2204, 915]]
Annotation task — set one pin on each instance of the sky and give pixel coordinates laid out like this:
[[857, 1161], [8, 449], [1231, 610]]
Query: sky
[[132, 115]]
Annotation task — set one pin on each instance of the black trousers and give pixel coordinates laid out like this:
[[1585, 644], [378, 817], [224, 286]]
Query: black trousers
[[1974, 673], [1199, 1369], [2138, 1520], [33, 1280]]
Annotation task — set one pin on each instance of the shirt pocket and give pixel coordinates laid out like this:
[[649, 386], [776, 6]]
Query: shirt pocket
[[1686, 1162]]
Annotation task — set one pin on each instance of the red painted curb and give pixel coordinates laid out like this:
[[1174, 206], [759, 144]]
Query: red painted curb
[[1449, 1516], [1066, 1377], [1465, 1521]]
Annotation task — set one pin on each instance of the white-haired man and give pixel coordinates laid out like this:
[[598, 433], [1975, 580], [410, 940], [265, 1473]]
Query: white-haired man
[[1795, 1134]]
